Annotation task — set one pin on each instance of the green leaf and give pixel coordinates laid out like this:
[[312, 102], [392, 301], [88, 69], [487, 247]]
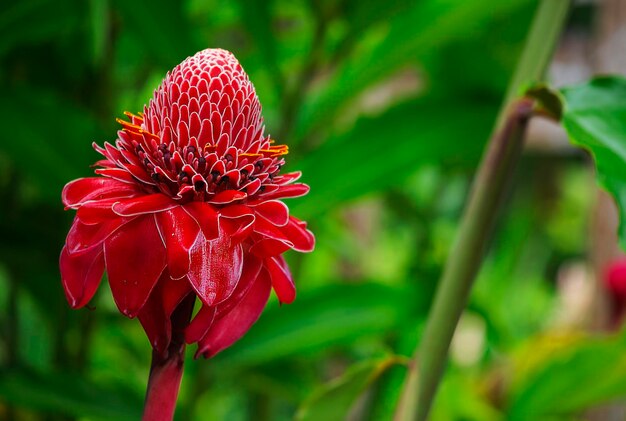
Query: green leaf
[[161, 27], [67, 394], [383, 151], [362, 14], [334, 400], [460, 398], [561, 375], [99, 29], [595, 119], [33, 22], [426, 27], [257, 21], [57, 148], [330, 316]]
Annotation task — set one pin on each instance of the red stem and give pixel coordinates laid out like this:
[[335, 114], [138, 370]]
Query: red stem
[[163, 385], [166, 371]]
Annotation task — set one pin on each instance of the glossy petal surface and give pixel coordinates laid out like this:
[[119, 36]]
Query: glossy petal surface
[[135, 258], [302, 239], [268, 247], [92, 213], [179, 232], [83, 237], [234, 324], [144, 205], [282, 281], [274, 211], [81, 275], [155, 314], [200, 324], [83, 190], [215, 269], [206, 217]]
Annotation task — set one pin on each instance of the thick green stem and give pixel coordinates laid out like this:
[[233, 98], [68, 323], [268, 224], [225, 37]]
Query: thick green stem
[[542, 39], [495, 171], [466, 255]]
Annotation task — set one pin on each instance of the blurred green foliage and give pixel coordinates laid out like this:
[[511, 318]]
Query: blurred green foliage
[[595, 119], [386, 108]]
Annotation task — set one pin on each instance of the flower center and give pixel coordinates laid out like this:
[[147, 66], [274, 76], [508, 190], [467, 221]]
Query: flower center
[[194, 171]]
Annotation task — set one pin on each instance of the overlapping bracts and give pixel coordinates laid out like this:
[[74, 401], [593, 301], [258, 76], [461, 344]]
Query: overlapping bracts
[[187, 201]]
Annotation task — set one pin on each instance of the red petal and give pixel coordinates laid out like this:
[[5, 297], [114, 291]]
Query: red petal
[[81, 275], [227, 196], [179, 231], [268, 247], [274, 211], [252, 187], [91, 213], [174, 292], [251, 268], [135, 258], [118, 174], [216, 267], [235, 211], [155, 314], [206, 217], [139, 173], [281, 279], [291, 190], [237, 221], [77, 192], [154, 321], [200, 324], [267, 229], [141, 205], [239, 228], [302, 239], [234, 324], [83, 236], [287, 178], [104, 163]]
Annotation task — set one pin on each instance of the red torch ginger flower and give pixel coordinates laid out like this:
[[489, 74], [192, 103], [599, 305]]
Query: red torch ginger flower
[[615, 285], [187, 204]]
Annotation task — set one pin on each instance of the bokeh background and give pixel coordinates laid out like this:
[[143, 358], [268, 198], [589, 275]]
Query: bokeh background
[[386, 107]]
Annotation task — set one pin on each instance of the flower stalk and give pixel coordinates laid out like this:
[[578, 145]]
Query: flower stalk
[[166, 371], [490, 186], [163, 385]]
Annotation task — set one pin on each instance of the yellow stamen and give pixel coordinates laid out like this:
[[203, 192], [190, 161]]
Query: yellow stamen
[[133, 128], [276, 150], [129, 125], [273, 151]]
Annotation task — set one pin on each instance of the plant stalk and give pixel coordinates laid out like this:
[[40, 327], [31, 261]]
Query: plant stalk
[[163, 385], [166, 371], [490, 185], [466, 255]]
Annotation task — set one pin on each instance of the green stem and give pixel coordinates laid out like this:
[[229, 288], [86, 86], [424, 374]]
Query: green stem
[[540, 44], [465, 258], [495, 171]]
